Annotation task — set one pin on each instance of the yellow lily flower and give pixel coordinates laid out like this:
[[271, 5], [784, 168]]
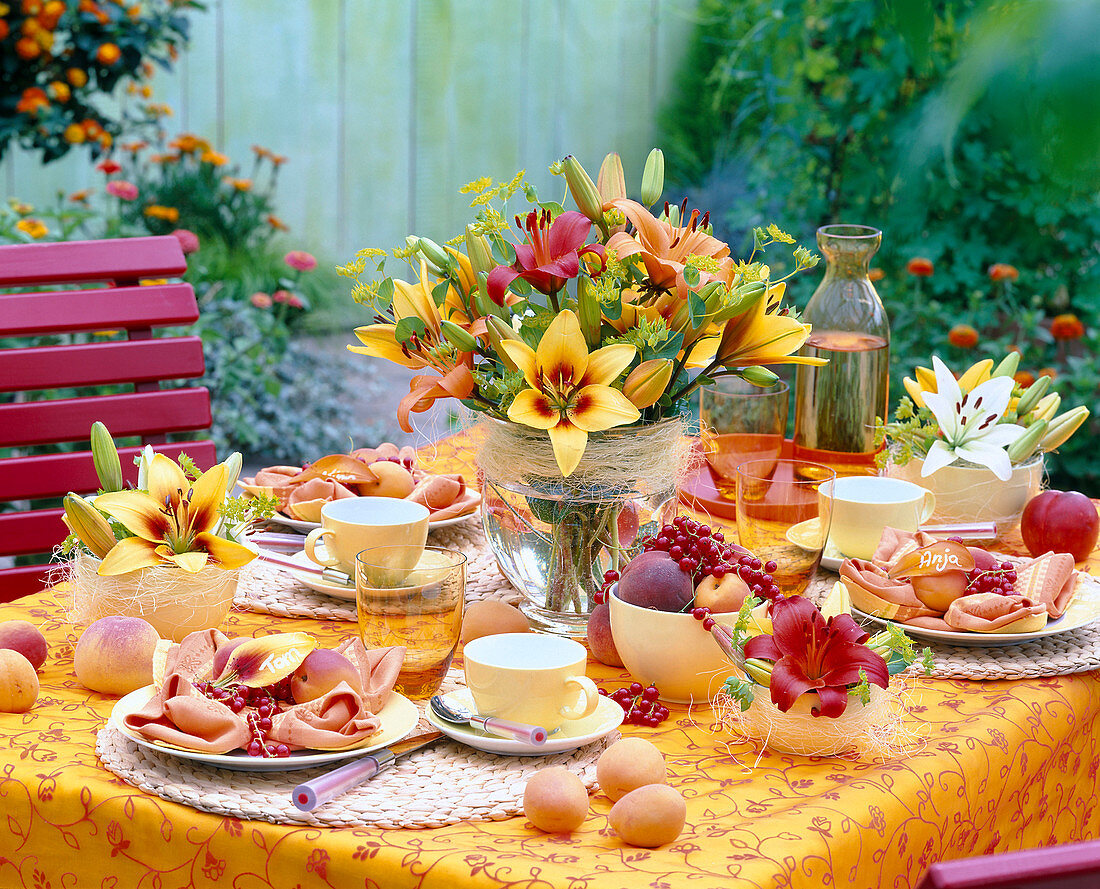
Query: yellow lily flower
[[976, 374], [570, 393], [757, 337], [915, 391], [173, 522]]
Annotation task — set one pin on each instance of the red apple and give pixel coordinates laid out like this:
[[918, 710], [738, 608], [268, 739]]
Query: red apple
[[1062, 522]]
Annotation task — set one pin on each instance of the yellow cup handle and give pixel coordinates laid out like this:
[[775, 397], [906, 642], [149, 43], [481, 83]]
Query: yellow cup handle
[[928, 506], [589, 695], [311, 542]]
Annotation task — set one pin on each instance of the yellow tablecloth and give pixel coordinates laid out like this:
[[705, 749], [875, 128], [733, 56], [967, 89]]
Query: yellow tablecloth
[[1006, 765]]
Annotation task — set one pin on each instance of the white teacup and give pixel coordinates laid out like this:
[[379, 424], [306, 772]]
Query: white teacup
[[530, 677], [354, 524], [865, 505]]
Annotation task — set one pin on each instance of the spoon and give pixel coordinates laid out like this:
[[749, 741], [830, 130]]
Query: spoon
[[456, 715]]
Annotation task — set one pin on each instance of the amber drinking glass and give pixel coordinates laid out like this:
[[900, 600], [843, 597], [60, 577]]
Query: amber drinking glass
[[737, 422], [418, 607], [783, 515]]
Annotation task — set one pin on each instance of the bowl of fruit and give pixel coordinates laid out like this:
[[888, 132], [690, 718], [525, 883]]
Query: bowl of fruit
[[667, 598]]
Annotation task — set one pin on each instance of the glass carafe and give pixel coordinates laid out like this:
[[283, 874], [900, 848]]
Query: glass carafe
[[836, 405]]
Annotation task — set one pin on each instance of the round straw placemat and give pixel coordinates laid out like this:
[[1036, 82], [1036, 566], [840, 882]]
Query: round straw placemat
[[267, 589], [439, 785]]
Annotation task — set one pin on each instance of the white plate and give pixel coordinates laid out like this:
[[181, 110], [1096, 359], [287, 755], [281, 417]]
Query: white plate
[[1083, 610], [316, 582], [399, 717], [574, 733]]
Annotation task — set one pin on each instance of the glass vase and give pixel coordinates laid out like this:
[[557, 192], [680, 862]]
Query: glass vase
[[836, 406], [554, 537]]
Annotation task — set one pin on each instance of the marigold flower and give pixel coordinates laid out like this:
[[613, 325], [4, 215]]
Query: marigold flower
[[33, 99], [1024, 378], [920, 266], [300, 260], [260, 151], [1067, 327], [27, 48], [260, 300], [122, 189], [33, 227], [74, 134], [51, 14], [59, 91], [963, 335], [106, 140], [92, 128], [1003, 272], [164, 158], [108, 166], [134, 147], [79, 197], [189, 241], [876, 274], [239, 184], [159, 109], [214, 158], [108, 54], [157, 211], [277, 159], [276, 223], [20, 208], [4, 29], [1049, 372], [76, 77]]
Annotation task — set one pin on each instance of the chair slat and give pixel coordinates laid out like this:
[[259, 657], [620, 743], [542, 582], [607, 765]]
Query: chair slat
[[126, 361], [54, 475], [128, 308], [22, 581], [37, 531], [112, 259], [69, 419]]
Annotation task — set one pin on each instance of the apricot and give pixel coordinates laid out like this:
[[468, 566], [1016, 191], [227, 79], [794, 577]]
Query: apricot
[[115, 655], [938, 591], [24, 637], [322, 670], [654, 580], [627, 764], [650, 816], [723, 595], [18, 682], [488, 617], [555, 800], [600, 641]]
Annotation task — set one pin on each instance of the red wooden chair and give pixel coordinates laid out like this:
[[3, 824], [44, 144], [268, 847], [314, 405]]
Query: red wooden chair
[[137, 365], [1071, 866]]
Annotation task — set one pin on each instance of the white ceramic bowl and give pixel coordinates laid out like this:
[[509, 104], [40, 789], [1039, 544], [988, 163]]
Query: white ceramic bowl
[[669, 650]]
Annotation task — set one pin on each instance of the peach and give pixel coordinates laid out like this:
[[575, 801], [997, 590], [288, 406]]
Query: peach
[[488, 617], [23, 636], [321, 671], [722, 596], [115, 655], [600, 641], [18, 682], [938, 591], [654, 580]]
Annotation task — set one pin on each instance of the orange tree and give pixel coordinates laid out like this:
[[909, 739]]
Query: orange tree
[[57, 57]]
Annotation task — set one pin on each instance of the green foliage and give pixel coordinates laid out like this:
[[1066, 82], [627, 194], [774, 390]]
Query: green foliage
[[58, 59]]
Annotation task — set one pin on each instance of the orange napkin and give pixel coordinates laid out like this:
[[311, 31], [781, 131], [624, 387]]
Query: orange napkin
[[1051, 580], [894, 543], [896, 595], [991, 613]]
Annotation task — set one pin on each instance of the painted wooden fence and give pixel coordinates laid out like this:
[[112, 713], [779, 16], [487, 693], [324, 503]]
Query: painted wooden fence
[[386, 107]]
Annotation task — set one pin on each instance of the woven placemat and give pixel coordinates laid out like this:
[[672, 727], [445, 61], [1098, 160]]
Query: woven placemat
[[442, 784], [267, 589]]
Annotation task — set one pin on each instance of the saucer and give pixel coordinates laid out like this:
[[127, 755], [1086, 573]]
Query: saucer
[[574, 733], [316, 582], [831, 557]]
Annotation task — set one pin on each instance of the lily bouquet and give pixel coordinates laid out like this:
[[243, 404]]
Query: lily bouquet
[[984, 417], [176, 517], [577, 320]]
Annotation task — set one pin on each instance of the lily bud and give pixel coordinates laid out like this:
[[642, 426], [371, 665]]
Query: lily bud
[[759, 671], [499, 331], [653, 177], [588, 312], [1047, 407], [646, 384], [88, 523], [914, 390], [926, 378], [233, 469], [1008, 366], [1031, 396], [759, 376], [105, 458], [583, 189], [1024, 446], [459, 337], [1063, 426], [611, 182], [479, 251], [432, 252], [976, 374]]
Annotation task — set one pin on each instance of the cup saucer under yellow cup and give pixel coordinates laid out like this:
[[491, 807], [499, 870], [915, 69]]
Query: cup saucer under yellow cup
[[418, 606], [533, 678], [354, 524]]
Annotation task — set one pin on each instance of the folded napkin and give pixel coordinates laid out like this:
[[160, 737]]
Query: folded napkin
[[875, 593], [1051, 580], [387, 451], [895, 543], [180, 715], [992, 613]]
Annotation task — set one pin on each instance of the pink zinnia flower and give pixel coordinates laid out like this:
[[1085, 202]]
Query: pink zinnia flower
[[295, 302], [300, 260], [122, 189], [189, 241], [281, 296], [261, 300]]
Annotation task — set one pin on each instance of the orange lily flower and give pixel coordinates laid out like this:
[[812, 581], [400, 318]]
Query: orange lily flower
[[173, 523], [570, 393]]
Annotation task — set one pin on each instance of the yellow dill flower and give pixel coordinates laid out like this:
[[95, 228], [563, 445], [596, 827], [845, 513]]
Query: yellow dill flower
[[703, 263], [353, 269], [777, 234], [403, 252], [477, 185], [370, 253]]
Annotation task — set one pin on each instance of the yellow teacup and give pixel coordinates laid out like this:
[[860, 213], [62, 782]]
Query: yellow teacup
[[530, 677], [864, 505], [354, 524]]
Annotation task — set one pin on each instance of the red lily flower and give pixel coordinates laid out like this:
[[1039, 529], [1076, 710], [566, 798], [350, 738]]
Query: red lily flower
[[550, 256], [811, 653]]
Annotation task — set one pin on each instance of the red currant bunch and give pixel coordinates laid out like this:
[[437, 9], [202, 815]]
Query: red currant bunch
[[261, 705], [1000, 581], [640, 705]]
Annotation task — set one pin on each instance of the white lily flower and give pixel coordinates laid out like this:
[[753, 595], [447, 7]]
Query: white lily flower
[[969, 423]]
